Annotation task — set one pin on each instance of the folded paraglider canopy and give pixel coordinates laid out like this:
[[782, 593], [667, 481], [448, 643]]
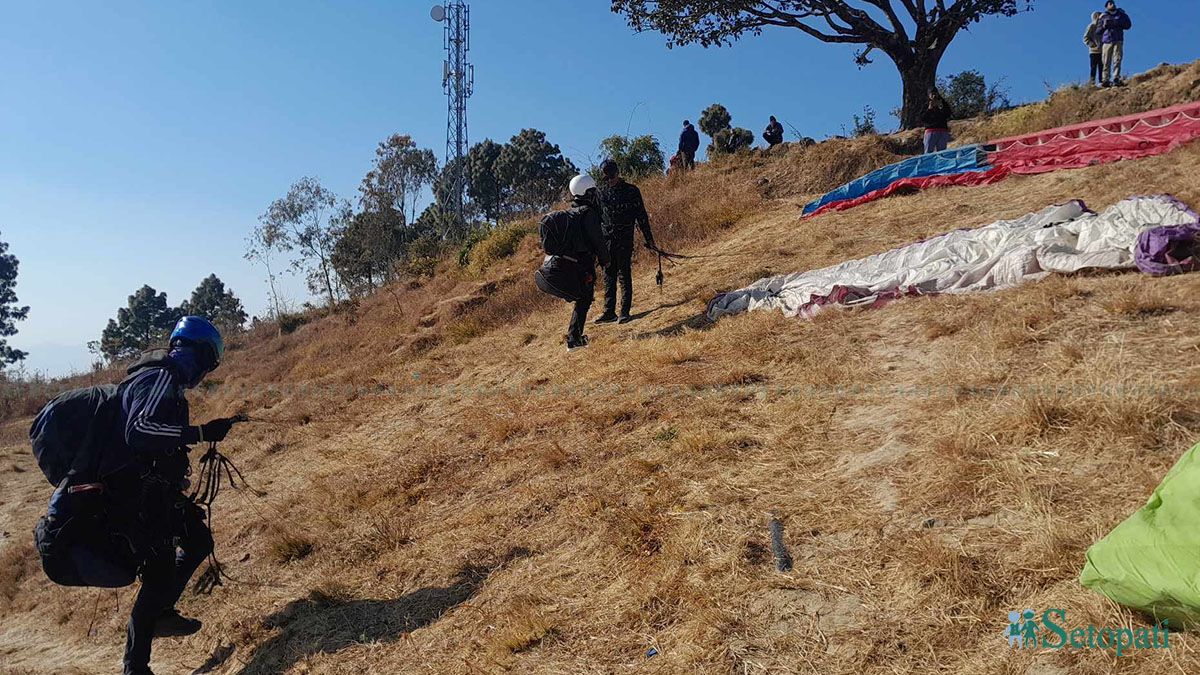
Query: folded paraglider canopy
[[1063, 238], [1072, 147]]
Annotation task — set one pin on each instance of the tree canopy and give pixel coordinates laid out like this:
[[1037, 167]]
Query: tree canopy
[[969, 94], [368, 247], [305, 220], [715, 119], [146, 319], [487, 191], [214, 302], [401, 171], [639, 157], [535, 169], [10, 313], [717, 123]]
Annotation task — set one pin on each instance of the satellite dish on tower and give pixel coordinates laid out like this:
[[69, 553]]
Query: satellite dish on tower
[[438, 13]]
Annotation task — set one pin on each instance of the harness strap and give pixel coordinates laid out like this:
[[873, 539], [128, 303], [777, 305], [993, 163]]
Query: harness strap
[[86, 487]]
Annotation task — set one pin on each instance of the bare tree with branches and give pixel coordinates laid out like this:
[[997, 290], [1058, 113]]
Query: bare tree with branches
[[914, 34]]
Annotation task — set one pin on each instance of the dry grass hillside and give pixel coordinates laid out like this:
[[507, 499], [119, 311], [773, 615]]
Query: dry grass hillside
[[445, 490]]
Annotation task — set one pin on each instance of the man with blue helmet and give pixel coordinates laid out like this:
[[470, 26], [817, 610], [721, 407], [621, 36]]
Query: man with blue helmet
[[153, 422]]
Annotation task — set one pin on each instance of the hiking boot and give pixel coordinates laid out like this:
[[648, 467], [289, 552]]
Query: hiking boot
[[605, 318], [625, 318], [573, 345], [173, 624]]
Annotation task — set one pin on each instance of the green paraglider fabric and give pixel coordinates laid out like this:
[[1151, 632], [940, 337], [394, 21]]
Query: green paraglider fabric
[[1151, 561]]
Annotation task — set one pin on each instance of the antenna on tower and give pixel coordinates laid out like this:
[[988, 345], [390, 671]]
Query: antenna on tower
[[458, 80]]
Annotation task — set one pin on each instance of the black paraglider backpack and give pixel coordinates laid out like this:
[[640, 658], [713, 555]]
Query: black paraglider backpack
[[555, 232], [79, 539]]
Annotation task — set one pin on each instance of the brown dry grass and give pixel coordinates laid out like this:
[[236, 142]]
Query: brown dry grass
[[492, 505]]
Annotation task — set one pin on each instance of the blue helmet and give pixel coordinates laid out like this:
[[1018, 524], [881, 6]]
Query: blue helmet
[[199, 331]]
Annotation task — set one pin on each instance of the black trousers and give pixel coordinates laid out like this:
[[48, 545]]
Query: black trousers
[[621, 271], [583, 302], [1097, 67], [689, 159], [573, 281], [165, 575]]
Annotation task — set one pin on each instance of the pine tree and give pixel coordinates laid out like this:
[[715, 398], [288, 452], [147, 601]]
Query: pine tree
[[147, 319], [212, 301]]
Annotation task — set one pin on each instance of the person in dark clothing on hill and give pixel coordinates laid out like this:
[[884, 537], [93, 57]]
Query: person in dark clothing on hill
[[1112, 26], [689, 143], [773, 134], [1091, 38], [571, 275], [937, 123], [623, 210], [153, 421]]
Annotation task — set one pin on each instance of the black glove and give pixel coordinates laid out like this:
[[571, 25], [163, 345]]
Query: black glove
[[216, 430]]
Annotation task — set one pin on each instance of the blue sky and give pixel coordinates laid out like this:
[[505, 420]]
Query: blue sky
[[141, 140]]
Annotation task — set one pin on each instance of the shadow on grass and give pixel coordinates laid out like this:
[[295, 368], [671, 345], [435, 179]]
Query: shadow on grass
[[642, 315], [698, 322], [312, 626]]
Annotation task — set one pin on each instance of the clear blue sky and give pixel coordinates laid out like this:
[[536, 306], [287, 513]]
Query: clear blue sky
[[139, 141]]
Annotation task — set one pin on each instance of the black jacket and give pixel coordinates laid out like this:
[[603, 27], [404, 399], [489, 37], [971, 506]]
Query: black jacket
[[153, 418], [773, 133], [623, 209], [937, 117], [689, 140], [587, 239]]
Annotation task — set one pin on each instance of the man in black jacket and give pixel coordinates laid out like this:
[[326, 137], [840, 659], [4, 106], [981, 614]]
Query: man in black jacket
[[689, 143], [153, 422], [623, 210], [773, 134]]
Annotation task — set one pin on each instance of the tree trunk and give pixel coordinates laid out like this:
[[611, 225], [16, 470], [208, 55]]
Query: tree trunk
[[328, 282], [919, 75]]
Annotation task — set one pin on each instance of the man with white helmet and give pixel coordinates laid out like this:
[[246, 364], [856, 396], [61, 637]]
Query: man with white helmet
[[574, 240]]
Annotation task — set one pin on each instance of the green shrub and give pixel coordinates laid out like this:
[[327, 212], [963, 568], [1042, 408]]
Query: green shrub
[[473, 240], [423, 256], [730, 141], [502, 242], [289, 323]]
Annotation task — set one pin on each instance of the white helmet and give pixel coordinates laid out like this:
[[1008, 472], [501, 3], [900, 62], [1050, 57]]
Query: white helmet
[[581, 184]]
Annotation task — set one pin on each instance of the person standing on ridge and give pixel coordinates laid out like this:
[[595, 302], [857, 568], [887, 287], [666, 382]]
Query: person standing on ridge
[[689, 143], [1113, 24], [153, 421], [773, 134], [937, 123], [573, 240], [1091, 38], [623, 210]]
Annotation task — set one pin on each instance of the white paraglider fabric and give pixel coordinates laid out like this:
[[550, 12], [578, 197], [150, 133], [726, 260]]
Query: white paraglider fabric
[[1063, 238]]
